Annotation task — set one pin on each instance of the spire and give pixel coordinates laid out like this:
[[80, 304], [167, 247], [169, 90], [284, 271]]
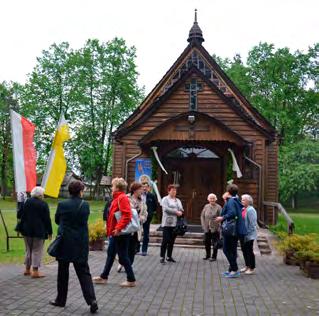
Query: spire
[[195, 33]]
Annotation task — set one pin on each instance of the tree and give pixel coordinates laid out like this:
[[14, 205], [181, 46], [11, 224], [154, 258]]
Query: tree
[[8, 100]]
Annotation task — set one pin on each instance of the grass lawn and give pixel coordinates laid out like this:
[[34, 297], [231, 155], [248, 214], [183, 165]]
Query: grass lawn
[[305, 217], [16, 253]]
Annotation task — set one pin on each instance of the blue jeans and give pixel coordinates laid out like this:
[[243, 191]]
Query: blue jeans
[[230, 251], [118, 245], [146, 233]]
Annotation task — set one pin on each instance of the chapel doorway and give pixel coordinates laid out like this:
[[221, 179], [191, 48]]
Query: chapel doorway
[[196, 171]]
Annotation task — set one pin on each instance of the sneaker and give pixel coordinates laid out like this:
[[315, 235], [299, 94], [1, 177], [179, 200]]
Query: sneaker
[[93, 307], [212, 259], [244, 269], [99, 280], [27, 272], [162, 261], [119, 268], [205, 258], [128, 284], [233, 274], [170, 260], [249, 271], [225, 273], [142, 254], [35, 274]]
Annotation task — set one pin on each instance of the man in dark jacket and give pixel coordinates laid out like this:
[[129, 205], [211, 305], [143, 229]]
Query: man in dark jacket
[[232, 210], [72, 217], [151, 203]]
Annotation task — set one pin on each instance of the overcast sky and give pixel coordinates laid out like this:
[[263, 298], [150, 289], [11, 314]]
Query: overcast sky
[[158, 29]]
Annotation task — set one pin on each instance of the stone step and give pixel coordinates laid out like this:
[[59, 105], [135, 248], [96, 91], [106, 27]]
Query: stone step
[[179, 241]]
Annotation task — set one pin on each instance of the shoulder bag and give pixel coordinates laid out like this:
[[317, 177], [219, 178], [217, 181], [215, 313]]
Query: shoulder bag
[[133, 226], [55, 246], [229, 228]]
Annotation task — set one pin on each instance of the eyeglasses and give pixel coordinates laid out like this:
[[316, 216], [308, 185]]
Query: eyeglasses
[[145, 183]]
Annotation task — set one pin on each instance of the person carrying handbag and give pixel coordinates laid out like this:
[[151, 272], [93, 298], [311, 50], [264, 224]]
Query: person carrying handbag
[[118, 243], [231, 215]]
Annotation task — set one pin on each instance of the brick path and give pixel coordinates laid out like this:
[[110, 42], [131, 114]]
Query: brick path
[[190, 287]]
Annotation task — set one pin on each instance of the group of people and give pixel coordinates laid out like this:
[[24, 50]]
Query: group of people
[[72, 218]]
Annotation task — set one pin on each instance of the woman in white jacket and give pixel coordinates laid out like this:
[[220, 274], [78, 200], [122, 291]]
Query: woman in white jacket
[[172, 208]]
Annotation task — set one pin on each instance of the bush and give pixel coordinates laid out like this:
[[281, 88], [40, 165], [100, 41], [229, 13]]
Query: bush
[[97, 230]]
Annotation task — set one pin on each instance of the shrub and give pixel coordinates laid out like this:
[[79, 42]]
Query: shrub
[[97, 230]]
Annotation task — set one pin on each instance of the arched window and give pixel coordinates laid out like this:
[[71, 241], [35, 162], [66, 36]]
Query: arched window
[[192, 152]]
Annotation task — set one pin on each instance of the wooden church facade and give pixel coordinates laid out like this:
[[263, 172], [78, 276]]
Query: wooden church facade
[[194, 117]]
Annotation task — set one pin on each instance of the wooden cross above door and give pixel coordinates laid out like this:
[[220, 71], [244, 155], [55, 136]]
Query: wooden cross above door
[[191, 129]]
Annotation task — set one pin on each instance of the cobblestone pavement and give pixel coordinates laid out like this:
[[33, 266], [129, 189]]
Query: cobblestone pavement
[[189, 287]]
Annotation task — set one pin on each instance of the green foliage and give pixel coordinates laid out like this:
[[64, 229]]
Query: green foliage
[[97, 230], [284, 87], [95, 87]]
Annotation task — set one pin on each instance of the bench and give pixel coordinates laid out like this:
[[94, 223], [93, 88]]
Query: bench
[[7, 233]]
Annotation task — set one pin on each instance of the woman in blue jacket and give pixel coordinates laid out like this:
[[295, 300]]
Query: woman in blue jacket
[[232, 210], [249, 216]]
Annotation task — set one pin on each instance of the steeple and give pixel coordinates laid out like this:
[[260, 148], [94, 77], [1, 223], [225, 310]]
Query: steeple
[[195, 33]]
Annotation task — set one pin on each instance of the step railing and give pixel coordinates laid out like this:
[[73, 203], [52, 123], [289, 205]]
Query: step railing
[[281, 209]]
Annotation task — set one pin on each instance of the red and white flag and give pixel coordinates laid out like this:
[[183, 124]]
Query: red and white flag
[[24, 154]]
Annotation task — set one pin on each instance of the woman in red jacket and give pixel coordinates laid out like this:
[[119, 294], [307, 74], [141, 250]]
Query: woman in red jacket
[[118, 244]]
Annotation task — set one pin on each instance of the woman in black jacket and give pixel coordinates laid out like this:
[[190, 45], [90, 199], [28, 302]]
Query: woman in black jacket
[[35, 226], [72, 217]]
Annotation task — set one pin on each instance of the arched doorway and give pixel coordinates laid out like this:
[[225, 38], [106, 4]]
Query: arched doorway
[[196, 171]]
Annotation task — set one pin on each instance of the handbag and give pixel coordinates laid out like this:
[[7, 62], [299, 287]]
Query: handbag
[[133, 226], [181, 226], [229, 228], [54, 247]]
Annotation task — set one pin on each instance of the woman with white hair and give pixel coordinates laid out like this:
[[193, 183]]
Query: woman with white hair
[[210, 227], [35, 227], [249, 215]]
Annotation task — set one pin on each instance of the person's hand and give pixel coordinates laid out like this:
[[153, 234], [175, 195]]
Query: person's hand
[[179, 213], [116, 232], [219, 219], [50, 237]]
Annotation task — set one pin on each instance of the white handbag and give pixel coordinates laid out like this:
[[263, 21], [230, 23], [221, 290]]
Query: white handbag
[[133, 226]]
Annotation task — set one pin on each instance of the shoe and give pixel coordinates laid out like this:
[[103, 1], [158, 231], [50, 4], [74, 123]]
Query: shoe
[[205, 258], [55, 303], [244, 269], [99, 280], [119, 268], [27, 272], [212, 259], [93, 307], [225, 273], [144, 254], [128, 284], [36, 274], [170, 260], [233, 275], [249, 272], [162, 261]]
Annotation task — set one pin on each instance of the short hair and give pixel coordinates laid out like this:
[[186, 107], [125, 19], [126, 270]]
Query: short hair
[[232, 189], [212, 195], [135, 186], [170, 187], [75, 187], [248, 198], [37, 192], [120, 184]]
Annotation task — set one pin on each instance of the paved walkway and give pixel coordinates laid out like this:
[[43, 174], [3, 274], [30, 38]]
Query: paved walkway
[[189, 287]]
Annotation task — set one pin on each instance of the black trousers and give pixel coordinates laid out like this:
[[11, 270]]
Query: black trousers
[[248, 253], [83, 272], [133, 247], [168, 241], [211, 238], [230, 251]]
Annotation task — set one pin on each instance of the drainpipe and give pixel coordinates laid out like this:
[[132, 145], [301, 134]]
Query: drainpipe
[[130, 159], [260, 182]]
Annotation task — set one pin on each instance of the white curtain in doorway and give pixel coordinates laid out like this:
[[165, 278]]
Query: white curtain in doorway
[[235, 164], [157, 158]]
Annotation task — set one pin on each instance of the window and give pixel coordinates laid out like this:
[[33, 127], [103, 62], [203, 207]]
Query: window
[[192, 152]]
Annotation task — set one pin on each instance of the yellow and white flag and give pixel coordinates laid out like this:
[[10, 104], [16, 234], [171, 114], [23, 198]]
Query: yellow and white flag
[[56, 167]]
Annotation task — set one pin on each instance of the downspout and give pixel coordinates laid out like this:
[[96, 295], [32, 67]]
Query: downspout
[[130, 159], [260, 199]]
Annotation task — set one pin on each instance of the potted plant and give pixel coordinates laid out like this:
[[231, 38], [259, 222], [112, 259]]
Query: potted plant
[[309, 260], [97, 235], [290, 245]]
